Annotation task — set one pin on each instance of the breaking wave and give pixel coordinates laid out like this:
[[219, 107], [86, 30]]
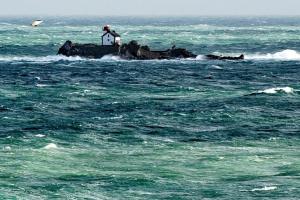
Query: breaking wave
[[287, 54], [266, 188], [287, 90], [37, 59], [54, 58], [51, 146]]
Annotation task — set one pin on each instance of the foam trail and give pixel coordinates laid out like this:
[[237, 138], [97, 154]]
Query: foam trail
[[287, 54]]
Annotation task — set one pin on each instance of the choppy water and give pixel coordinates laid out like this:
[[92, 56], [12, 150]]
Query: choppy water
[[72, 128]]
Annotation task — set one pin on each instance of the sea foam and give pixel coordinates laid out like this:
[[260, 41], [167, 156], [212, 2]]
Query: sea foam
[[7, 148], [284, 55], [40, 135], [286, 90], [266, 188], [54, 58], [287, 54], [39, 59], [51, 146]]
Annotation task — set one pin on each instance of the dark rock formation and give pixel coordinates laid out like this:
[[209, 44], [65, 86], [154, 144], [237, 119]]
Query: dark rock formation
[[87, 50], [132, 50], [214, 57]]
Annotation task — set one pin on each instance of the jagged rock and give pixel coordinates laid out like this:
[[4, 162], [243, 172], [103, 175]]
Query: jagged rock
[[132, 50], [87, 50]]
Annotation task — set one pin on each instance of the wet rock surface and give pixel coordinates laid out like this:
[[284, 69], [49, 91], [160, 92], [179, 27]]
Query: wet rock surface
[[215, 57], [132, 50]]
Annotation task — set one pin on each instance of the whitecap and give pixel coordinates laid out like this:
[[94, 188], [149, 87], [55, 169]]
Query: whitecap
[[286, 90], [40, 59], [111, 57], [273, 138], [51, 146], [287, 54], [108, 118], [40, 135], [7, 148], [266, 188], [41, 85], [200, 57], [216, 67]]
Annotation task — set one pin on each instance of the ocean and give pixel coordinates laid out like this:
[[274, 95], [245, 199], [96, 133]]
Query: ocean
[[77, 128]]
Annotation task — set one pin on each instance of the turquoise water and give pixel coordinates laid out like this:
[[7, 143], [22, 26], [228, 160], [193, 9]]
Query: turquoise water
[[73, 128]]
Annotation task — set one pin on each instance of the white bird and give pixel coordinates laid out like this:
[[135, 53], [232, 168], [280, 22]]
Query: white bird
[[36, 23]]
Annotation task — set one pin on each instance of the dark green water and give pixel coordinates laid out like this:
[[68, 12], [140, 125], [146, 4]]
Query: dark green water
[[72, 128]]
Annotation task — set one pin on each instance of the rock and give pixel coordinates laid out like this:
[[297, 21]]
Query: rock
[[87, 50], [132, 50], [214, 57]]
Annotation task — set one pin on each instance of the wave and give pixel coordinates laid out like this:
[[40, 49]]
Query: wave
[[200, 57], [51, 146], [40, 135], [287, 90], [54, 58], [106, 58], [37, 59], [111, 57], [287, 54], [266, 188], [7, 148]]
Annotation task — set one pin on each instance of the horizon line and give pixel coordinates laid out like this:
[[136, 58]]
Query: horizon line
[[150, 16]]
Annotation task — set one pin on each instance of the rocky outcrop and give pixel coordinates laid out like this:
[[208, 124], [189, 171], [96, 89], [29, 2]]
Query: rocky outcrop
[[87, 50], [132, 50]]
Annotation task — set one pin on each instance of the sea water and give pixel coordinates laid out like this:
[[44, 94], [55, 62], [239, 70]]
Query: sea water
[[77, 128]]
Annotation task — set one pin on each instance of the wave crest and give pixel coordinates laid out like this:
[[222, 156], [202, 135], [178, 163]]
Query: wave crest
[[282, 55], [43, 59], [287, 54], [287, 90], [266, 188], [51, 146], [54, 58]]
